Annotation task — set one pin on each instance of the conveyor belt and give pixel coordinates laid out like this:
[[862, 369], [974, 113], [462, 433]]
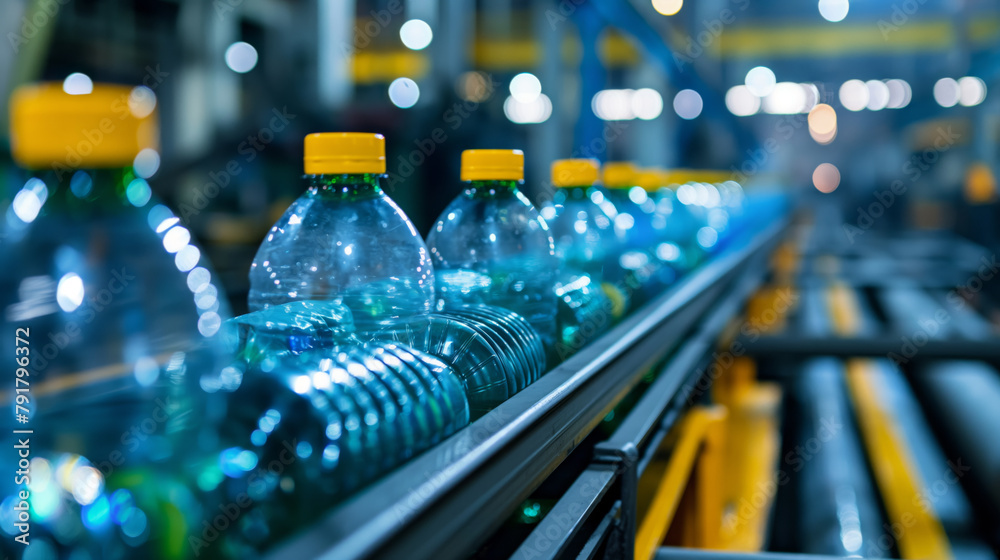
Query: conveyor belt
[[446, 501]]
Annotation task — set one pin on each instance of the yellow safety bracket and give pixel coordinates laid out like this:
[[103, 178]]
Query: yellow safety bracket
[[697, 434]]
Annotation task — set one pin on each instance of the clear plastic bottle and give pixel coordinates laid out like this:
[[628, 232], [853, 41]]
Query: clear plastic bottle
[[584, 239], [119, 313], [345, 240], [583, 232], [493, 232], [673, 223], [634, 231]]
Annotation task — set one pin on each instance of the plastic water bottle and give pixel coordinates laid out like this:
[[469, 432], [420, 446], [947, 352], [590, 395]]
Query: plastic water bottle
[[635, 232], [118, 313], [675, 244], [345, 239], [704, 202], [492, 238], [583, 232], [584, 240]]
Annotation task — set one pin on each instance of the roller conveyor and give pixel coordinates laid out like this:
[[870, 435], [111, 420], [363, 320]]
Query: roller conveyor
[[838, 505], [962, 398]]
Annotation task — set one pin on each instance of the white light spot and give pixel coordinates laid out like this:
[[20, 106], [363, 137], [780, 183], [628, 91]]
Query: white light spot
[[416, 34], [404, 93], [687, 104], [26, 205], [947, 92], [301, 384], [668, 252], [187, 258], [167, 223], [78, 84], [613, 104], [534, 112], [760, 80], [525, 87], [878, 95], [899, 94], [707, 237], [834, 10], [647, 104], [197, 279], [668, 7], [146, 163], [854, 95], [637, 195], [741, 101], [141, 102], [624, 221], [972, 91], [87, 484], [176, 239], [69, 293], [241, 57], [209, 323], [786, 98]]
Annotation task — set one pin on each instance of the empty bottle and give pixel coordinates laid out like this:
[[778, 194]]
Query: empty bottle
[[584, 240], [634, 231], [583, 232], [118, 313], [675, 245], [345, 240], [493, 234]]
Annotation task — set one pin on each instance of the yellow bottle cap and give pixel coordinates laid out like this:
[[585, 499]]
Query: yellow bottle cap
[[619, 174], [575, 172], [492, 165], [650, 179], [341, 153], [677, 176], [107, 127]]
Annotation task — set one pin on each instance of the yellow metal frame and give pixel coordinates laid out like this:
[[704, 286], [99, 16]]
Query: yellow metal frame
[[752, 454], [698, 433]]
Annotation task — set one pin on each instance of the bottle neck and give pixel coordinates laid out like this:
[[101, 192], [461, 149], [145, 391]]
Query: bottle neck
[[345, 187], [577, 192], [492, 189], [618, 193], [102, 189]]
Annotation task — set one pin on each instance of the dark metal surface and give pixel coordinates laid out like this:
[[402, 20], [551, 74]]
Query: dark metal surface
[[445, 502], [913, 347], [552, 537]]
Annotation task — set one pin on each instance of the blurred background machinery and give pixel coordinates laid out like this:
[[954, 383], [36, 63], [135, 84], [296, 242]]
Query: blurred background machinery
[[830, 388]]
